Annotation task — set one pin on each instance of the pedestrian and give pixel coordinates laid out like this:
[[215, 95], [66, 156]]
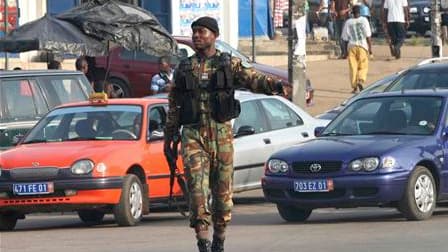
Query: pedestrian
[[357, 34], [324, 16], [395, 24], [82, 65], [202, 102], [162, 81], [300, 10], [341, 10], [54, 64]]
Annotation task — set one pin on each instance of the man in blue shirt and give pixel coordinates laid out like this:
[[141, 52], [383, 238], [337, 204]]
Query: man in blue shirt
[[161, 82]]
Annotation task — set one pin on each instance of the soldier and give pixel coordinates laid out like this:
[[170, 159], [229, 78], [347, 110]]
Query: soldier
[[202, 102]]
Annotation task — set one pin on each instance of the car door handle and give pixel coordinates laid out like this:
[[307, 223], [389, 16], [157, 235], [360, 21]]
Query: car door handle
[[305, 134], [126, 66], [267, 141]]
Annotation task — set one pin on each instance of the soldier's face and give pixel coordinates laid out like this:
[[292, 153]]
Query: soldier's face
[[203, 38]]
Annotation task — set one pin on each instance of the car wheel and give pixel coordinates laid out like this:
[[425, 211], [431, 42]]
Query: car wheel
[[8, 221], [129, 210], [119, 88], [292, 213], [419, 199], [91, 217]]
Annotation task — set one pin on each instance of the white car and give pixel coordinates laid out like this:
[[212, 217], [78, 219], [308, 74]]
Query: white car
[[266, 125]]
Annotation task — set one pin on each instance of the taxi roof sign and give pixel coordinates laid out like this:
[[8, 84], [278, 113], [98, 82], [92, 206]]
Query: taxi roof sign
[[98, 97]]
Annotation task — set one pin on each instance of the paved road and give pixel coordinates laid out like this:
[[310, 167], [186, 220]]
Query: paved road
[[256, 226]]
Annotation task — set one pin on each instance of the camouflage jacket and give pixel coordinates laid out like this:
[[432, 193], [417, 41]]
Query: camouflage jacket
[[245, 76]]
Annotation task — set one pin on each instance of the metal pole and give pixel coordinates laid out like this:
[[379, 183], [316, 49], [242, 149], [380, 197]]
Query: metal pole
[[436, 29], [297, 66], [290, 41], [253, 28], [5, 20]]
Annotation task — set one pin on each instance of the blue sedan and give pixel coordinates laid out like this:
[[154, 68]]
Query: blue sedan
[[385, 150]]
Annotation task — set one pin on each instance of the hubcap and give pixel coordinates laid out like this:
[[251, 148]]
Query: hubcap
[[135, 200], [424, 193], [118, 91]]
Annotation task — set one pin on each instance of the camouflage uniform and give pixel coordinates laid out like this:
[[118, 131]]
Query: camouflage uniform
[[207, 148]]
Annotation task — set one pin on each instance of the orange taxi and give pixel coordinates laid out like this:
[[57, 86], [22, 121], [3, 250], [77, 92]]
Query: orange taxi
[[95, 157]]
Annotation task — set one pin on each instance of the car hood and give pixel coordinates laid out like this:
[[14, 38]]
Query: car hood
[[61, 154], [280, 73], [347, 147]]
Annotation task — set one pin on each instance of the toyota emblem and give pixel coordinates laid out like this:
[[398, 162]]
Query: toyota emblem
[[35, 164], [315, 167]]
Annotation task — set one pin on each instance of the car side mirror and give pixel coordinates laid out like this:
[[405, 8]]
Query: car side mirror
[[445, 133], [318, 131], [245, 131], [16, 139]]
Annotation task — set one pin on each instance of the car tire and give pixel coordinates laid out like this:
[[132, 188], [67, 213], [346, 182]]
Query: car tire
[[8, 222], [129, 211], [120, 88], [420, 196], [293, 214], [91, 217]]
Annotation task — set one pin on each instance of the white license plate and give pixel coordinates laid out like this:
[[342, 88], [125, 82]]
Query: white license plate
[[313, 185], [33, 188]]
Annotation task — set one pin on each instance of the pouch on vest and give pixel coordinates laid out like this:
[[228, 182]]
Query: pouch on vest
[[225, 106], [187, 94]]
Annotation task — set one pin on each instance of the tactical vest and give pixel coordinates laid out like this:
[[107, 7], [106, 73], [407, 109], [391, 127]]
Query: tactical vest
[[221, 90]]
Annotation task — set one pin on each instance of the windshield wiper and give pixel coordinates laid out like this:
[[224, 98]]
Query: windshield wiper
[[336, 134], [81, 139], [35, 141], [384, 133]]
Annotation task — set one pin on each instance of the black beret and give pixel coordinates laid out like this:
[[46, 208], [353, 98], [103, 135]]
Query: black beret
[[207, 22]]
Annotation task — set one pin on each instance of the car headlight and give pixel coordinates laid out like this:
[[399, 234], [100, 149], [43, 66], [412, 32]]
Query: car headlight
[[277, 166], [413, 10], [367, 164], [81, 167], [388, 163], [426, 9]]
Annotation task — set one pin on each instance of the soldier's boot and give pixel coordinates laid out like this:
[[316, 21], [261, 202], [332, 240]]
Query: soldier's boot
[[218, 244], [204, 245]]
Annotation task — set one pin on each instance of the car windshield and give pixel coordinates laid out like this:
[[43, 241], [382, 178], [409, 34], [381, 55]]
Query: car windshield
[[112, 122], [421, 80], [224, 47], [401, 115]]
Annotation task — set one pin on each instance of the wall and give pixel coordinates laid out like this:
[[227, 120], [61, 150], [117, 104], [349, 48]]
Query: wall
[[225, 11]]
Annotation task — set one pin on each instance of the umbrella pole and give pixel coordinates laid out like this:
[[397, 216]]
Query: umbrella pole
[[5, 19], [105, 83]]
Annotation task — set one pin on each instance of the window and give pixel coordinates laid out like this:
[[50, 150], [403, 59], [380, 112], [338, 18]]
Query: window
[[62, 89], [279, 115], [251, 115], [157, 121], [19, 100]]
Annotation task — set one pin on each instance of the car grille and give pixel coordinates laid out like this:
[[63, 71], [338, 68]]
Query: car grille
[[33, 174], [326, 166]]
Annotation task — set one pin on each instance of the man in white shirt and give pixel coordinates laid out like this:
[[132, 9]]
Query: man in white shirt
[[161, 82], [357, 34], [395, 23]]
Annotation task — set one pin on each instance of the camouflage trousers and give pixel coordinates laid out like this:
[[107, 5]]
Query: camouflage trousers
[[207, 154]]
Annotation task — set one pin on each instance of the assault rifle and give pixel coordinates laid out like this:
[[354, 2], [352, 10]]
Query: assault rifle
[[171, 155]]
